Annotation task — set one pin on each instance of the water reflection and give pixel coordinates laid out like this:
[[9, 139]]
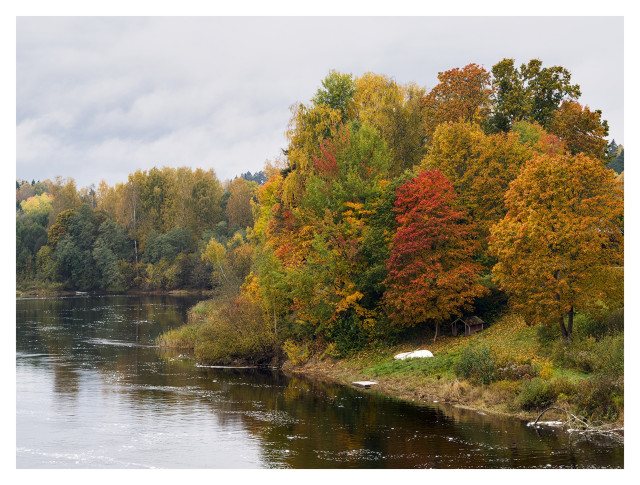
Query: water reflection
[[93, 392]]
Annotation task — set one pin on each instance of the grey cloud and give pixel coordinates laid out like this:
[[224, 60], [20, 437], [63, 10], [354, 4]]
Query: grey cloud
[[101, 97]]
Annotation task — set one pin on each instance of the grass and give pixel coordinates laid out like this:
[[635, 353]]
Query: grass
[[511, 343]]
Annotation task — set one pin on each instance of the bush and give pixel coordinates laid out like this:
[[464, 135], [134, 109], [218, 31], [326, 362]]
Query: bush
[[475, 363], [535, 394], [297, 353], [548, 334], [601, 398], [183, 338], [347, 334], [236, 333], [598, 325], [588, 355], [609, 356]]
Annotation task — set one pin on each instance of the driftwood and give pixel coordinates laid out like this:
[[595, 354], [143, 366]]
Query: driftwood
[[583, 428]]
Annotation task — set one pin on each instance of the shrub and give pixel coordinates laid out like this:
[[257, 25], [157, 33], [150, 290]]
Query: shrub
[[588, 355], [184, 337], [347, 334], [599, 325], [546, 372], [237, 332], [609, 356], [535, 394], [547, 334], [601, 398], [297, 353], [564, 386], [475, 363]]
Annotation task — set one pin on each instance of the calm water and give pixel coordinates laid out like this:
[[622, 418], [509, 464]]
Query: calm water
[[93, 392]]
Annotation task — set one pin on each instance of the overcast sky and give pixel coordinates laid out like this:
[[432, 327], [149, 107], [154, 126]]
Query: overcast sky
[[98, 98]]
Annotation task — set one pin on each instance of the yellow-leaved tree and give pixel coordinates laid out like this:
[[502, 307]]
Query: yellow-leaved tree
[[560, 246]]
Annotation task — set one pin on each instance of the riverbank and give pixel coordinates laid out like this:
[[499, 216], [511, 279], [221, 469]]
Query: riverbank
[[416, 388], [510, 373]]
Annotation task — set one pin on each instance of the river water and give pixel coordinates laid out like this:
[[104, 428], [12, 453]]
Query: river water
[[93, 392]]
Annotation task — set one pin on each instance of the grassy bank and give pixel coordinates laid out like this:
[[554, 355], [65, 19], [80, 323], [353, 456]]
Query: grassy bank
[[510, 369]]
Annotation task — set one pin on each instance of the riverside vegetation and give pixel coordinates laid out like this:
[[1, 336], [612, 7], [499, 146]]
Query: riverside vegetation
[[392, 211]]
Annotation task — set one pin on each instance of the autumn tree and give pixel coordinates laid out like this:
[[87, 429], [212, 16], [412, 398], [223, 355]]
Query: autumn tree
[[560, 246], [395, 111], [432, 274], [239, 210], [582, 130], [531, 93], [337, 93], [461, 95]]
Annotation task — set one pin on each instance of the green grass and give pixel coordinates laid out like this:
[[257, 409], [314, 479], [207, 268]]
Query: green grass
[[435, 366]]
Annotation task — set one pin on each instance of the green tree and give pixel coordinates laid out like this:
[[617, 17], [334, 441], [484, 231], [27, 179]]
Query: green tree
[[337, 93], [531, 93]]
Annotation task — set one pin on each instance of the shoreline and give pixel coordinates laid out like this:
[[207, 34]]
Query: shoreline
[[52, 293], [428, 391]]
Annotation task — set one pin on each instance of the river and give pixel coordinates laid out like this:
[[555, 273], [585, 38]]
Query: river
[[92, 391]]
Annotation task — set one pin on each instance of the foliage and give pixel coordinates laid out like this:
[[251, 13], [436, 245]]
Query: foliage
[[297, 353], [395, 111], [536, 394], [238, 209], [531, 93], [432, 275], [461, 95], [37, 205], [337, 92], [475, 363], [236, 332], [479, 166], [617, 164], [581, 129], [601, 398], [559, 248]]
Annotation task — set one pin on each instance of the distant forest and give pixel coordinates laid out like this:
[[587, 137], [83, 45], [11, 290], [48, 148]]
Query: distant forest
[[147, 233]]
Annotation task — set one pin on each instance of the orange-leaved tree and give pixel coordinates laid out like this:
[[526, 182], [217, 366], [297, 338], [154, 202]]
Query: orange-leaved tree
[[432, 274], [560, 246], [461, 95], [581, 129]]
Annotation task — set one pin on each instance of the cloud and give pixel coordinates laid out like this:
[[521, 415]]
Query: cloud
[[101, 97]]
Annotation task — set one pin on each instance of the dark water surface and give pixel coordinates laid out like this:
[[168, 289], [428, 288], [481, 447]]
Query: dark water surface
[[93, 392]]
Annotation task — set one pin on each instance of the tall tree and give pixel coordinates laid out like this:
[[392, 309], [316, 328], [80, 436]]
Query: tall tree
[[461, 95], [560, 246], [432, 274], [239, 210], [532, 93], [337, 93], [396, 112], [583, 130]]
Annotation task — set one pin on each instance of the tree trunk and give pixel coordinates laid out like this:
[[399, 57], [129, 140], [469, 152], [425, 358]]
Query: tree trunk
[[437, 332], [563, 329], [570, 322]]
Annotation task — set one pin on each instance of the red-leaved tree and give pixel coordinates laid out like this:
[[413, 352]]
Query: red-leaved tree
[[432, 275]]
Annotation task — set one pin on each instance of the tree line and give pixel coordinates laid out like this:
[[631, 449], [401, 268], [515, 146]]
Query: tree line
[[392, 209], [148, 233]]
